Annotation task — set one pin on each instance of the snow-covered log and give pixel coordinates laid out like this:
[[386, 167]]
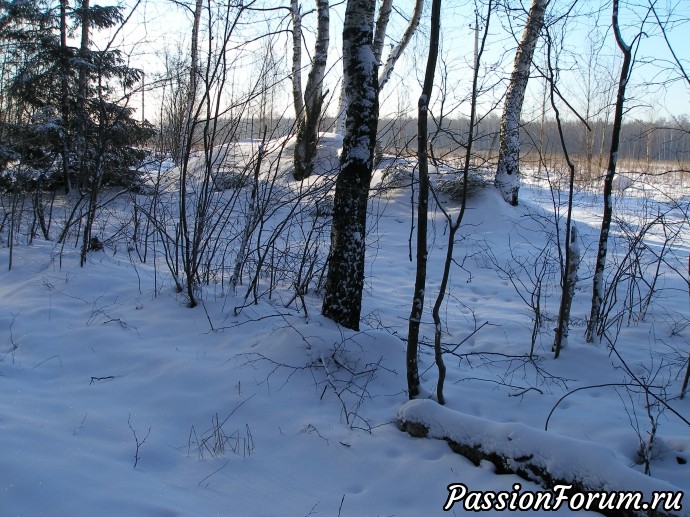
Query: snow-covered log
[[545, 458]]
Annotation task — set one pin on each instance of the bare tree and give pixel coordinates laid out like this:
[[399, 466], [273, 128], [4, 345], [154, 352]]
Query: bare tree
[[592, 332], [345, 278], [508, 172], [297, 97], [413, 384], [185, 150]]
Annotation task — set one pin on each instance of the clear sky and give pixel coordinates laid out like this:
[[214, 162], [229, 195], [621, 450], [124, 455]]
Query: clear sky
[[587, 59]]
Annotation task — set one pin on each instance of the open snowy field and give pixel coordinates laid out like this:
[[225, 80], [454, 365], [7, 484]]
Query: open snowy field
[[117, 399]]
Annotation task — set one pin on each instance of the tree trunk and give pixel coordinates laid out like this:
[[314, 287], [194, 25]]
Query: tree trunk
[[64, 86], [572, 259], [297, 98], [508, 172], [82, 85], [308, 119], [345, 278], [593, 331], [413, 384], [381, 26], [398, 50], [185, 150]]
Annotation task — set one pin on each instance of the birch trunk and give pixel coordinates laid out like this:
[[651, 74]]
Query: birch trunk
[[569, 281], [398, 50], [342, 108], [381, 26], [508, 172], [186, 136], [345, 278], [308, 119], [298, 100], [593, 326]]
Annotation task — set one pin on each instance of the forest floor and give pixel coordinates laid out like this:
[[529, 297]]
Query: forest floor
[[117, 399]]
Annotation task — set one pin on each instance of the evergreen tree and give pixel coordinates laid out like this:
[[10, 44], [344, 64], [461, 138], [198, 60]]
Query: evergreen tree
[[69, 120]]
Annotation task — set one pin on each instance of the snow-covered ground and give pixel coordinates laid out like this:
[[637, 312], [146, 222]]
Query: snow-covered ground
[[117, 399]]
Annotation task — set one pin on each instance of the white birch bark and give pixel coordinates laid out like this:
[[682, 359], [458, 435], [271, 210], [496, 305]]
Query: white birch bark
[[398, 50], [298, 100], [381, 26], [342, 108], [379, 40], [186, 128], [345, 278], [308, 119], [573, 265], [508, 172]]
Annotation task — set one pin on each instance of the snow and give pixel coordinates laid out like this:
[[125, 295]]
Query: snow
[[596, 467], [277, 411]]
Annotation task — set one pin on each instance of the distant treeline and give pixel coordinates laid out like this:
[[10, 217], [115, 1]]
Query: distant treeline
[[667, 141], [646, 141]]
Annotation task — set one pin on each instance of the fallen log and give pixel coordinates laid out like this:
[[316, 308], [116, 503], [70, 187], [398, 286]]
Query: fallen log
[[544, 458]]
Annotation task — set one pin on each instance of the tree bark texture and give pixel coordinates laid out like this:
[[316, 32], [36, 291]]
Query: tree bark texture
[[572, 259], [381, 26], [508, 172], [345, 278], [379, 40]]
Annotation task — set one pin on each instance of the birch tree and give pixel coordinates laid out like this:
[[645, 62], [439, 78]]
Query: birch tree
[[508, 172], [399, 48], [593, 331], [308, 111], [387, 70], [345, 278]]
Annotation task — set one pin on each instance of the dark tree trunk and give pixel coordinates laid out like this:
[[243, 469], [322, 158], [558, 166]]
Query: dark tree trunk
[[413, 384], [593, 330], [64, 93], [82, 86], [345, 278]]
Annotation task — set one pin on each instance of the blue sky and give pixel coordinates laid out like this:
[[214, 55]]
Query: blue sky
[[657, 88]]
